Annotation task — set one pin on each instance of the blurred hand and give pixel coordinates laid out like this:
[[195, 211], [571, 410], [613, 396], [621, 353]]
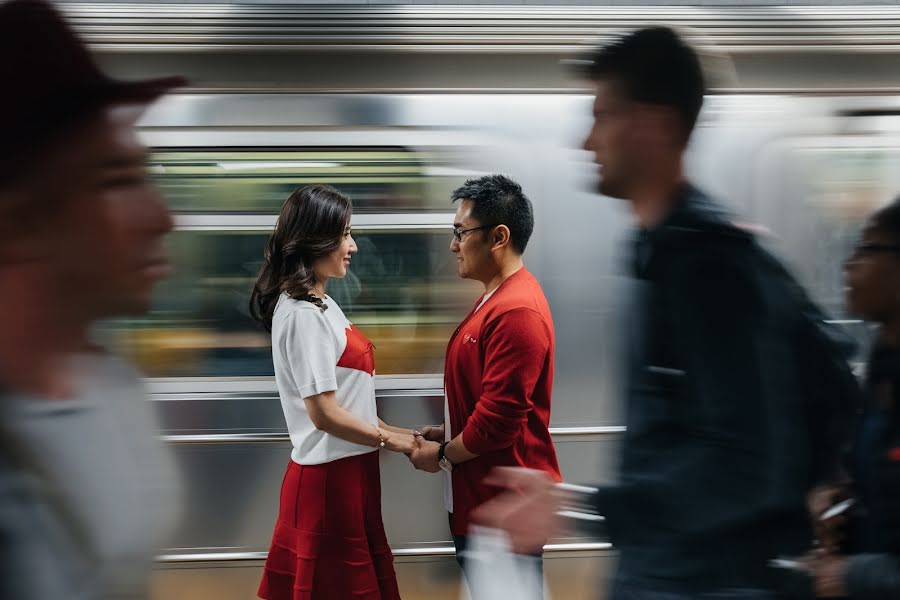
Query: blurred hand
[[425, 457], [401, 442], [432, 433], [831, 532], [525, 509], [829, 572]]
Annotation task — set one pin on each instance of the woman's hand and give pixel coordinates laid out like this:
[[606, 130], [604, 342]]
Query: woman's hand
[[399, 442]]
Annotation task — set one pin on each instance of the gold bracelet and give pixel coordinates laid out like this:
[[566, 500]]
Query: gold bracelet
[[380, 437]]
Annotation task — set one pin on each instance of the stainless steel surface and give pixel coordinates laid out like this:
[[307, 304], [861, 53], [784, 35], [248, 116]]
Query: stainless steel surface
[[233, 27], [275, 437], [227, 438], [181, 388], [399, 553], [206, 557], [224, 222], [355, 120]]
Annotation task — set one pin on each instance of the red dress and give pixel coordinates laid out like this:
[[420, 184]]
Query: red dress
[[329, 541]]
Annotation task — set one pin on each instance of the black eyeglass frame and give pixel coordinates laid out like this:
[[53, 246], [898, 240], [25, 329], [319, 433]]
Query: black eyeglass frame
[[863, 249], [457, 233]]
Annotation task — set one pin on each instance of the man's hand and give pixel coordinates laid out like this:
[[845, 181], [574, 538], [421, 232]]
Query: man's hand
[[425, 457], [830, 532], [525, 510], [432, 433], [829, 572]]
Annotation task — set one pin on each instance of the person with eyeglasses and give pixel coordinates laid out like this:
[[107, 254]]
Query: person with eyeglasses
[[498, 373], [864, 561]]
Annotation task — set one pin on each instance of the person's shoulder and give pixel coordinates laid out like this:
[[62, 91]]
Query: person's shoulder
[[291, 313], [296, 308], [333, 308], [520, 285], [521, 290], [703, 232], [523, 304]]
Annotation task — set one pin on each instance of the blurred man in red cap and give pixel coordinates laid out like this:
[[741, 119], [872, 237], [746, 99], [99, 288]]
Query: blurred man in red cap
[[86, 491]]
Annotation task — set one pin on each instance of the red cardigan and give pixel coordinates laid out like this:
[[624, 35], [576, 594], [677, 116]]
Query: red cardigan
[[499, 379]]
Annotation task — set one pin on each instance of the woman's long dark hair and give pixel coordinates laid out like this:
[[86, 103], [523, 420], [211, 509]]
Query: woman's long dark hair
[[311, 225]]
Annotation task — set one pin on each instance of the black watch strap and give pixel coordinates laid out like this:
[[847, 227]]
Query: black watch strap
[[441, 455]]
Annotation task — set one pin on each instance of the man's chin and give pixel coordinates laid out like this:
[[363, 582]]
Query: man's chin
[[611, 190]]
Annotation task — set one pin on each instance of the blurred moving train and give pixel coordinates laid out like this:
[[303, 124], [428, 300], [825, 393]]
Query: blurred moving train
[[396, 106]]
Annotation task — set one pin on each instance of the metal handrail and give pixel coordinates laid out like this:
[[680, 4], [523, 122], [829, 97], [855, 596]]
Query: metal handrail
[[232, 222], [435, 551], [284, 437]]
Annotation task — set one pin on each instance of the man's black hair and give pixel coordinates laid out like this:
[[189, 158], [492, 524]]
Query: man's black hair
[[498, 200], [655, 66]]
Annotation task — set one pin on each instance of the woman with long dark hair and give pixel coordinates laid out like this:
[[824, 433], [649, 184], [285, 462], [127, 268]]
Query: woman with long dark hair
[[329, 540]]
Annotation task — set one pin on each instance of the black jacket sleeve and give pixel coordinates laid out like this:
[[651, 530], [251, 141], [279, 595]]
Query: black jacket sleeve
[[873, 577]]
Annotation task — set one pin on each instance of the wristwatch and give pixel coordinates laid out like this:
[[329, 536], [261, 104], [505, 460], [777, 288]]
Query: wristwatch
[[444, 462]]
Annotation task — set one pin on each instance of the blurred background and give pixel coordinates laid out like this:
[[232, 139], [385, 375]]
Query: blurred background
[[396, 105]]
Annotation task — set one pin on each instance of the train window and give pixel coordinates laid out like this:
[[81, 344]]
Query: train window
[[402, 291], [845, 185], [402, 288], [820, 192], [379, 180]]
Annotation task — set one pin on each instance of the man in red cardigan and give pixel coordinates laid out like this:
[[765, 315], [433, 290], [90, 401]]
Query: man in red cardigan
[[498, 374]]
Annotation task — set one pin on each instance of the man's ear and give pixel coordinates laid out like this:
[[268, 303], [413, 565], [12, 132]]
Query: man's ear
[[500, 237]]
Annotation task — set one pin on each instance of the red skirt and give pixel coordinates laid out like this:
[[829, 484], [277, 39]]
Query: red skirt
[[329, 541]]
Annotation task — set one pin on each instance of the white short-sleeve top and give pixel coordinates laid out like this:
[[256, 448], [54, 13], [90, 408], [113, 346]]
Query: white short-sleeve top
[[316, 352]]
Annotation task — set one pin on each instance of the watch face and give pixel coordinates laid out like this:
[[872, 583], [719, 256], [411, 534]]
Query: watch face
[[445, 464]]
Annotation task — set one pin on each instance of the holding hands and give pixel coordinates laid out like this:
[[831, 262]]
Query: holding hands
[[421, 447], [400, 442], [432, 433], [425, 456]]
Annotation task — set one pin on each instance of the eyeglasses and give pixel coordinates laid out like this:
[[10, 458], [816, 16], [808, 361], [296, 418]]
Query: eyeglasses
[[863, 249], [458, 233]]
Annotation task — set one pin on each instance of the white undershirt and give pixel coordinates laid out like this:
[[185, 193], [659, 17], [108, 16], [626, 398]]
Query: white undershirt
[[448, 480]]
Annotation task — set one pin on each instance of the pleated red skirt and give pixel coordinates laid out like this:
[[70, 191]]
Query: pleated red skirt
[[329, 541]]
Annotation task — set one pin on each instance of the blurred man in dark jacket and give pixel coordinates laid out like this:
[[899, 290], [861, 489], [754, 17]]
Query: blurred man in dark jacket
[[718, 454]]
